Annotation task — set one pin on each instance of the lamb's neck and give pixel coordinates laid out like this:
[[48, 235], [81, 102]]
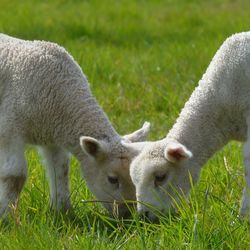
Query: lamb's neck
[[202, 126], [85, 117]]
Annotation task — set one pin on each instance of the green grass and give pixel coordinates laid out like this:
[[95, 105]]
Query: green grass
[[143, 60]]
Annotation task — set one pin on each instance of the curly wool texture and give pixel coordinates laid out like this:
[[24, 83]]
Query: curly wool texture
[[216, 111], [46, 95]]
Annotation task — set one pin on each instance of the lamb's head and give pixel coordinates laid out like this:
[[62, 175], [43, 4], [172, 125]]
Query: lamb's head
[[160, 174], [106, 169]]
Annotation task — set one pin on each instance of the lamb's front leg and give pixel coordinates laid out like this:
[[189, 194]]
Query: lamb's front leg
[[13, 172], [245, 203], [57, 166]]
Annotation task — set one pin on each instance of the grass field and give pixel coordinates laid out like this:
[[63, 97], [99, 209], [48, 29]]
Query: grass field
[[143, 59]]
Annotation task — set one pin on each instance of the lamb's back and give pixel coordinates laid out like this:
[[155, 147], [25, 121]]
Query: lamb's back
[[228, 74], [39, 82]]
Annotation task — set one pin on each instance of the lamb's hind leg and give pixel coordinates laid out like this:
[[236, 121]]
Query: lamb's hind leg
[[13, 172], [57, 165], [245, 203]]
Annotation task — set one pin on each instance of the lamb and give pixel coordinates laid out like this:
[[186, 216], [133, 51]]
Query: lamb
[[45, 100], [218, 111]]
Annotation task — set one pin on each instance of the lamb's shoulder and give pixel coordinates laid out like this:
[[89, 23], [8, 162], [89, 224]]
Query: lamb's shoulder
[[233, 57], [226, 80], [235, 78], [40, 81]]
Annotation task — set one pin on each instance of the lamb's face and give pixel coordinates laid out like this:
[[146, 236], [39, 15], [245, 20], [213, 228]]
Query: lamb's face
[[159, 172], [110, 182], [106, 170]]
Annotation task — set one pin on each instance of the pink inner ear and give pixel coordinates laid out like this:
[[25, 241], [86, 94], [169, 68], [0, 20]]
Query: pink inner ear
[[176, 153]]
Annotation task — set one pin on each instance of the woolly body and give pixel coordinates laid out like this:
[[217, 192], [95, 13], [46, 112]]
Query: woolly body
[[218, 111], [45, 100]]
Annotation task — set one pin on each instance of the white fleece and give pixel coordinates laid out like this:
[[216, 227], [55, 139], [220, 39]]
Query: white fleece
[[45, 100], [218, 111]]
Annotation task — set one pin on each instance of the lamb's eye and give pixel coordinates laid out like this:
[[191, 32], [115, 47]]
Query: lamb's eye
[[159, 179], [113, 180]]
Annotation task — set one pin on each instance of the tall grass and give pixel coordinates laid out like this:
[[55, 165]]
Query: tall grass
[[143, 59]]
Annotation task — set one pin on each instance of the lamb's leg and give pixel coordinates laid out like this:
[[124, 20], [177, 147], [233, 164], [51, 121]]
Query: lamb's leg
[[245, 203], [13, 172], [57, 166]]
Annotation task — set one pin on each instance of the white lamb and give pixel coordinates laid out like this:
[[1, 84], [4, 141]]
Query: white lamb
[[45, 100], [218, 111]]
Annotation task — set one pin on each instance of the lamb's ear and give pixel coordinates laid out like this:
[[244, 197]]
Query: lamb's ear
[[134, 148], [92, 147], [139, 135], [175, 152]]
